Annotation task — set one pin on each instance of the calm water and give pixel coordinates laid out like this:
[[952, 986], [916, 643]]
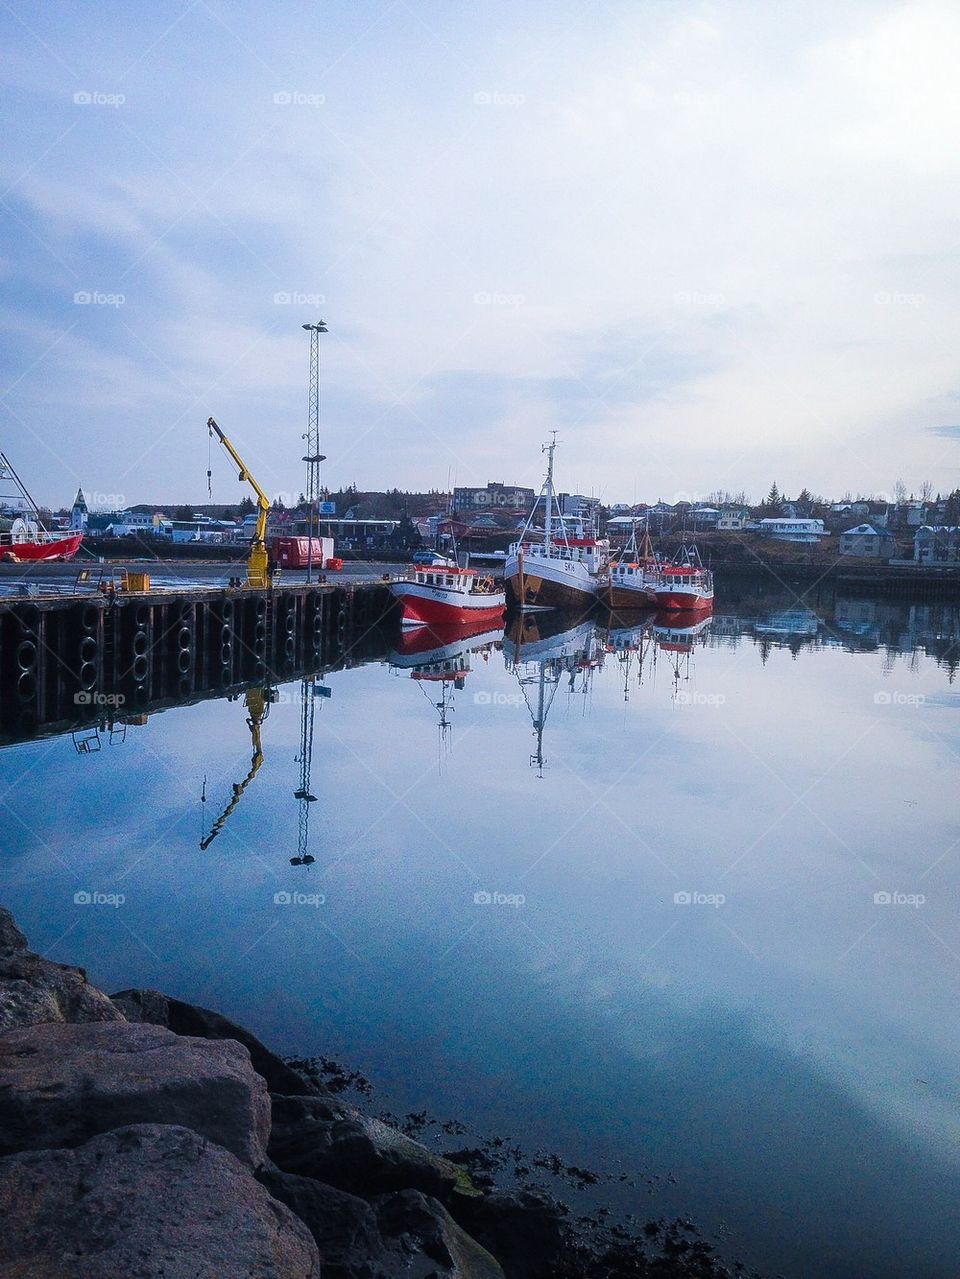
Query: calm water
[[655, 940]]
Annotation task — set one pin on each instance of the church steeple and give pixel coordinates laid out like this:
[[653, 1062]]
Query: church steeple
[[79, 514]]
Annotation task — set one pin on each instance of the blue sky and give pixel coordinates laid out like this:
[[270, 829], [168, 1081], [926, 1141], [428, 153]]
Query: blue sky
[[713, 244]]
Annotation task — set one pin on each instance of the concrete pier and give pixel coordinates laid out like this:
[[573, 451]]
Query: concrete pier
[[64, 659]]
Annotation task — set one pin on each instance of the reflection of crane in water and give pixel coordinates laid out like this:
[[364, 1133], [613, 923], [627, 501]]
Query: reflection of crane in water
[[258, 708], [308, 695]]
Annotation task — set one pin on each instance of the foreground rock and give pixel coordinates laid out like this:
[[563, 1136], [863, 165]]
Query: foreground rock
[[60, 1084], [190, 1019], [406, 1233], [145, 1202], [315, 1137], [34, 990]]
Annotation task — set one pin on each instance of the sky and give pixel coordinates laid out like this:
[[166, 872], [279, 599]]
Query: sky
[[712, 245]]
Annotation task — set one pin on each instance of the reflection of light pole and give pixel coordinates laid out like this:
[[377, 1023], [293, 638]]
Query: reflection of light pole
[[313, 456]]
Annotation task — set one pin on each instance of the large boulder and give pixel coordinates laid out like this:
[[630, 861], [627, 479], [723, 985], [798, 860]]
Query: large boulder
[[34, 990], [148, 1201], [61, 1083], [190, 1019], [427, 1241], [405, 1233], [344, 1226], [313, 1137], [525, 1231]]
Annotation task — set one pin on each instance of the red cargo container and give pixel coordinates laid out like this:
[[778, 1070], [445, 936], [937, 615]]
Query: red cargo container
[[294, 552]]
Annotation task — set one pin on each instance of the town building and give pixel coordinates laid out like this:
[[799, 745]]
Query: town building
[[512, 497], [867, 542], [937, 544], [79, 516], [787, 530]]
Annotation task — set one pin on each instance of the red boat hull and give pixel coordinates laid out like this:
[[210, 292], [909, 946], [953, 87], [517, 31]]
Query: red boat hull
[[418, 610], [684, 601], [61, 548]]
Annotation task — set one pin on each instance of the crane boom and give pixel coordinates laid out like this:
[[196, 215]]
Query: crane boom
[[258, 574]]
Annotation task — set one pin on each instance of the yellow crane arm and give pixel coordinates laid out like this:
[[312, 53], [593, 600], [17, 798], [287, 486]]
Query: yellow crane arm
[[257, 574]]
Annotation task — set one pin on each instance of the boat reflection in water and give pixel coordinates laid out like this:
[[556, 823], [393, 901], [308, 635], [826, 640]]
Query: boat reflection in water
[[438, 657], [633, 647], [677, 634], [542, 654]]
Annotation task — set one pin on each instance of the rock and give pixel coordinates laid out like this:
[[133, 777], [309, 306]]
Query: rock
[[189, 1019], [345, 1227], [314, 1137], [35, 990], [148, 1201], [11, 938], [400, 1234], [421, 1231], [525, 1231], [60, 1084]]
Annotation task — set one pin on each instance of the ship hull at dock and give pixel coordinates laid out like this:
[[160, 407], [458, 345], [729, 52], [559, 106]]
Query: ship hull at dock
[[532, 582], [624, 598], [675, 598], [425, 605]]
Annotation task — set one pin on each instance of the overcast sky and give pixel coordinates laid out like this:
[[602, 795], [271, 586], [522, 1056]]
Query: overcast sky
[[713, 245]]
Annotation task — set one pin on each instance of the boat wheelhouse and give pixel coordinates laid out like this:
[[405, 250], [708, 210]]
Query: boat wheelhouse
[[445, 594]]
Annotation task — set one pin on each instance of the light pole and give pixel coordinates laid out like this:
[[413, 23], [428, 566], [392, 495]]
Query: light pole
[[313, 456]]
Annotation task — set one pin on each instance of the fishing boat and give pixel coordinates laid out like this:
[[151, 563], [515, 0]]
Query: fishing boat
[[630, 581], [685, 584], [23, 537], [445, 594], [560, 570]]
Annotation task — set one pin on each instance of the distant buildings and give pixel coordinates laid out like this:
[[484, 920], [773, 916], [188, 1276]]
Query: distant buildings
[[789, 530], [494, 496], [868, 542], [937, 544]]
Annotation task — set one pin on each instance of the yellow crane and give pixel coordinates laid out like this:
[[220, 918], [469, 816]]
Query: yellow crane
[[258, 565]]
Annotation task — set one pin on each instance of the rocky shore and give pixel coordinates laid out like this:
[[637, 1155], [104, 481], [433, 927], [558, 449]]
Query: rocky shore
[[141, 1136]]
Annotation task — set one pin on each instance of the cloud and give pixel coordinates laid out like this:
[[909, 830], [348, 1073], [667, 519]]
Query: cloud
[[711, 248]]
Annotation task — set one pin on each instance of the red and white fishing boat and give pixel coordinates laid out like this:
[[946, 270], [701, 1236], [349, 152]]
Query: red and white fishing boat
[[24, 539], [562, 568], [442, 593], [685, 585]]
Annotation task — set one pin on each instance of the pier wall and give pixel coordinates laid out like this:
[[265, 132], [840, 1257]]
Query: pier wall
[[69, 658]]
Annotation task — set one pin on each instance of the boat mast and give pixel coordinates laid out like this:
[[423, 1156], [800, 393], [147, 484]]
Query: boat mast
[[548, 493]]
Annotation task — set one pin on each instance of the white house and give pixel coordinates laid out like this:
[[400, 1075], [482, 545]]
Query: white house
[[789, 530], [731, 524], [867, 542]]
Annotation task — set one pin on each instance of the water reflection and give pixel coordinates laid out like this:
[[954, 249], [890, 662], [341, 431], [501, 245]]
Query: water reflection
[[797, 1046]]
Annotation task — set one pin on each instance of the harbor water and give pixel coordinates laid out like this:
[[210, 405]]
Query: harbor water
[[675, 898]]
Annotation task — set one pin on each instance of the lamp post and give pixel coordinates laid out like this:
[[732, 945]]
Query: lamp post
[[313, 456]]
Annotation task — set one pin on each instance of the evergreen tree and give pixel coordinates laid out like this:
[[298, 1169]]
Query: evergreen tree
[[773, 497]]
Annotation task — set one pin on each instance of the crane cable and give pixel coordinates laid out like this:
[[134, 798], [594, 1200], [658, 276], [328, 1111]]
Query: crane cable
[[209, 463]]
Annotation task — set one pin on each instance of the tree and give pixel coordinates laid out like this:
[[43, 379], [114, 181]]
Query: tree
[[773, 497], [926, 490], [183, 513], [805, 496], [899, 492], [246, 506]]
